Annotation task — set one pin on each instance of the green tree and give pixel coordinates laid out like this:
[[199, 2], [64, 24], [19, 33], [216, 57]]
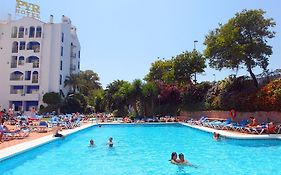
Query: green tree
[[116, 97], [186, 65], [96, 100], [161, 70], [52, 98], [75, 103], [242, 41], [150, 93]]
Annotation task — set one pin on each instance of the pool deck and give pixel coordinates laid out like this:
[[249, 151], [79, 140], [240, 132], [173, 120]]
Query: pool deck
[[235, 135], [25, 146]]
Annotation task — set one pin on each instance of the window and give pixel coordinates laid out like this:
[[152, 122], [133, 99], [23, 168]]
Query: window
[[60, 65], [27, 75], [15, 47], [22, 45], [38, 32], [21, 60], [33, 45], [62, 37], [61, 51], [34, 60], [21, 32], [79, 54], [60, 79], [16, 90], [16, 76], [14, 32], [35, 77], [14, 61], [31, 32], [78, 64], [32, 89]]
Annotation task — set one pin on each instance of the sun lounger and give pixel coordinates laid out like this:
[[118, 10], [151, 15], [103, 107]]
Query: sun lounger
[[198, 122], [239, 127]]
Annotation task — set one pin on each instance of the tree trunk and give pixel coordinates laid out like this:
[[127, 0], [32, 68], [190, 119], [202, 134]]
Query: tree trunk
[[253, 76]]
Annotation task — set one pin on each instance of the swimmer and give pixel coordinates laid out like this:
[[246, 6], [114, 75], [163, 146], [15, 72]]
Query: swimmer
[[216, 136], [110, 143], [92, 143], [182, 161], [174, 158]]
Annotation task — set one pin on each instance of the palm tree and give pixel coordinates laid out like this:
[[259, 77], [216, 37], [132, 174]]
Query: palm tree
[[73, 81], [89, 82]]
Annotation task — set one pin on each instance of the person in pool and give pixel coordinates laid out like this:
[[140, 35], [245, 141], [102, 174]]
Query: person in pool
[[182, 161], [174, 158], [92, 143], [216, 136], [110, 142]]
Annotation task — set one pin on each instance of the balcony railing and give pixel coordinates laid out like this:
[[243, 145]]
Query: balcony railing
[[35, 64], [21, 62], [16, 78], [34, 91], [34, 80], [36, 48], [17, 91]]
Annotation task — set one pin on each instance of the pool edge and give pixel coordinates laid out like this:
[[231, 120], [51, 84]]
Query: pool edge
[[232, 135], [12, 151]]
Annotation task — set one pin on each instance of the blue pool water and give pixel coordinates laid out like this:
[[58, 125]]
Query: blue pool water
[[145, 150]]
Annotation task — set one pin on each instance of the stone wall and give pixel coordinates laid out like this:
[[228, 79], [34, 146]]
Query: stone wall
[[261, 116]]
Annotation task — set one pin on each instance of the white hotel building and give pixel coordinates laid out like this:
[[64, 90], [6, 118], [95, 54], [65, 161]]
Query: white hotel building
[[35, 58]]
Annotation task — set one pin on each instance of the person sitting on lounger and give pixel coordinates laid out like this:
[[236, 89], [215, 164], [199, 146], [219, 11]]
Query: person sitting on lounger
[[174, 158], [270, 128], [56, 130], [92, 143], [253, 123]]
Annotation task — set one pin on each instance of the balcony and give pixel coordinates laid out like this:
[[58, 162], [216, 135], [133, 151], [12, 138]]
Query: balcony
[[21, 62], [34, 80], [34, 91], [36, 49], [24, 97], [16, 78], [16, 91], [35, 64]]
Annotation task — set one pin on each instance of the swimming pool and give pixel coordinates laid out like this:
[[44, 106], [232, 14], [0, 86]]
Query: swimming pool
[[145, 149]]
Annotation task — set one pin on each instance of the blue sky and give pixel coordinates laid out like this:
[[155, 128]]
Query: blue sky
[[121, 38]]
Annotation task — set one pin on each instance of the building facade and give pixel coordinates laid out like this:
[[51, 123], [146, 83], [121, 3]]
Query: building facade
[[35, 58]]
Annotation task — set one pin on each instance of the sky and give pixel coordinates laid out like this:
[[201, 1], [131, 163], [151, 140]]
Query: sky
[[121, 38]]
